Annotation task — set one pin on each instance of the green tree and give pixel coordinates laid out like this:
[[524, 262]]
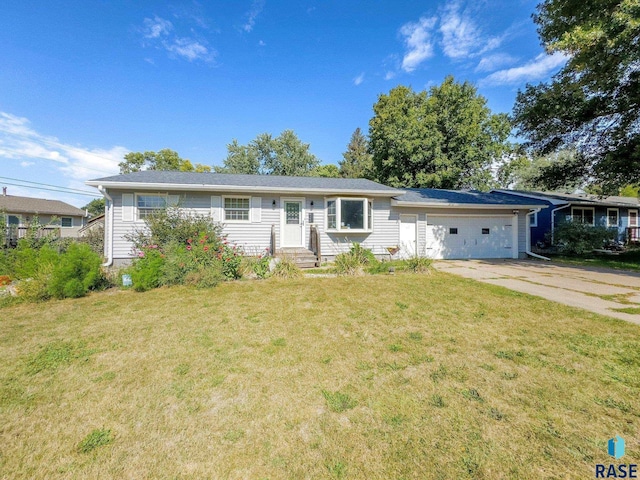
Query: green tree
[[327, 171], [95, 207], [357, 162], [165, 159], [549, 172], [593, 103], [282, 155], [444, 138]]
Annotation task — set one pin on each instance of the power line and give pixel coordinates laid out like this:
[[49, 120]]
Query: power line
[[46, 185], [51, 189]]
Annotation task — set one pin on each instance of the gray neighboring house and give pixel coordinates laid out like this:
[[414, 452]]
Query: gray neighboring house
[[56, 215], [296, 214]]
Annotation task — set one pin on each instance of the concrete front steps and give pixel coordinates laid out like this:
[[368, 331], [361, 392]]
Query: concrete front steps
[[302, 257]]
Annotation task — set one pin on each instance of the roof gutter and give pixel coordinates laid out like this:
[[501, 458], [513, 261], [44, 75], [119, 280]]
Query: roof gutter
[[483, 206], [553, 220], [108, 227], [528, 250]]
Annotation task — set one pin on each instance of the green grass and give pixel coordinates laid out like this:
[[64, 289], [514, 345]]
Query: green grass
[[367, 377], [628, 260]]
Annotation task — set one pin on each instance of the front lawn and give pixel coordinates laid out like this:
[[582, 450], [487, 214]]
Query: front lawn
[[374, 377], [628, 260]]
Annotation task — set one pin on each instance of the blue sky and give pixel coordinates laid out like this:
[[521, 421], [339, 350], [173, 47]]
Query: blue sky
[[84, 82]]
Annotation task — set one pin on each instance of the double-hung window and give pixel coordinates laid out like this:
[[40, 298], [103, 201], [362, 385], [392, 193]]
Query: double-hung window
[[349, 214], [583, 215], [147, 204], [612, 217], [237, 209]]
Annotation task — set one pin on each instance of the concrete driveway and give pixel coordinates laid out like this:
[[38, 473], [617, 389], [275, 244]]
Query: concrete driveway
[[599, 290]]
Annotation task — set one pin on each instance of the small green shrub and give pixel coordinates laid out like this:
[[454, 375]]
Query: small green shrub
[[577, 238], [77, 271], [286, 268], [146, 271], [355, 260], [260, 266], [97, 438]]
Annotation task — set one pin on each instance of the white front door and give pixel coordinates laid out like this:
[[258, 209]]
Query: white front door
[[292, 223], [408, 236], [633, 222]]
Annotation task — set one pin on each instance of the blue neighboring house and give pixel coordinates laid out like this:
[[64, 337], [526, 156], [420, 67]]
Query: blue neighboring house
[[620, 213]]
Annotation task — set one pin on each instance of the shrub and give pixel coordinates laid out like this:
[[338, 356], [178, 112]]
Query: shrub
[[354, 261], [577, 238], [76, 271], [260, 266], [419, 264], [286, 268], [231, 257], [95, 239], [146, 271]]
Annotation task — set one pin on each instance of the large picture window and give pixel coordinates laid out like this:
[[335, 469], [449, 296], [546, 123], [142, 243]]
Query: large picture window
[[237, 209], [147, 204], [349, 214]]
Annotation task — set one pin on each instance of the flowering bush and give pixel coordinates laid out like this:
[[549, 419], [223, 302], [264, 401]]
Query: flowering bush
[[261, 265]]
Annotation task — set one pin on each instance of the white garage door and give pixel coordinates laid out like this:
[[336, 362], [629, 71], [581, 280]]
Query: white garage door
[[470, 237]]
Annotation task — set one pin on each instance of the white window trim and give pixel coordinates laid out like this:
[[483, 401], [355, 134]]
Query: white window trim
[[533, 222], [224, 210], [137, 217], [617, 210], [629, 216], [593, 210], [18, 216], [62, 226], [338, 200]]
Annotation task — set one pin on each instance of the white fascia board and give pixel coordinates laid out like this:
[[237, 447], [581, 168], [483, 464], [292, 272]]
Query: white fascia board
[[478, 206], [239, 189]]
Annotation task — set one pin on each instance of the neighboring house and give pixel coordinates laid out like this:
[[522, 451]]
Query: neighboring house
[[19, 212], [620, 213], [294, 213], [93, 224]]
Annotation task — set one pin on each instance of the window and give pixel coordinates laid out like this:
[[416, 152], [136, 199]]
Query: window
[[237, 209], [66, 222], [147, 204], [13, 220], [486, 231], [612, 217], [453, 231], [583, 215], [347, 214], [533, 222]]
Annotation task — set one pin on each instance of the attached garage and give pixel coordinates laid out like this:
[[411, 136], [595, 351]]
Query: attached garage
[[481, 236], [453, 224]]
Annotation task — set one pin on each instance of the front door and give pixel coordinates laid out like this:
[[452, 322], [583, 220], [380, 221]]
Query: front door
[[408, 236], [633, 223], [293, 224]]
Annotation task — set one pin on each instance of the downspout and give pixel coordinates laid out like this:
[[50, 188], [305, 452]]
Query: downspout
[[553, 220], [528, 251], [108, 227]]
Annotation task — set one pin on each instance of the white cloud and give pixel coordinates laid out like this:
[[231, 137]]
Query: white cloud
[[536, 69], [20, 142], [156, 27], [26, 164], [496, 60], [189, 49], [261, 43], [160, 33], [359, 79], [389, 75], [460, 35], [418, 42], [256, 8]]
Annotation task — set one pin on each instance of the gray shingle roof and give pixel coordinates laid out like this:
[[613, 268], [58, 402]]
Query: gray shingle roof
[[435, 196], [251, 181], [576, 198], [14, 204]]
